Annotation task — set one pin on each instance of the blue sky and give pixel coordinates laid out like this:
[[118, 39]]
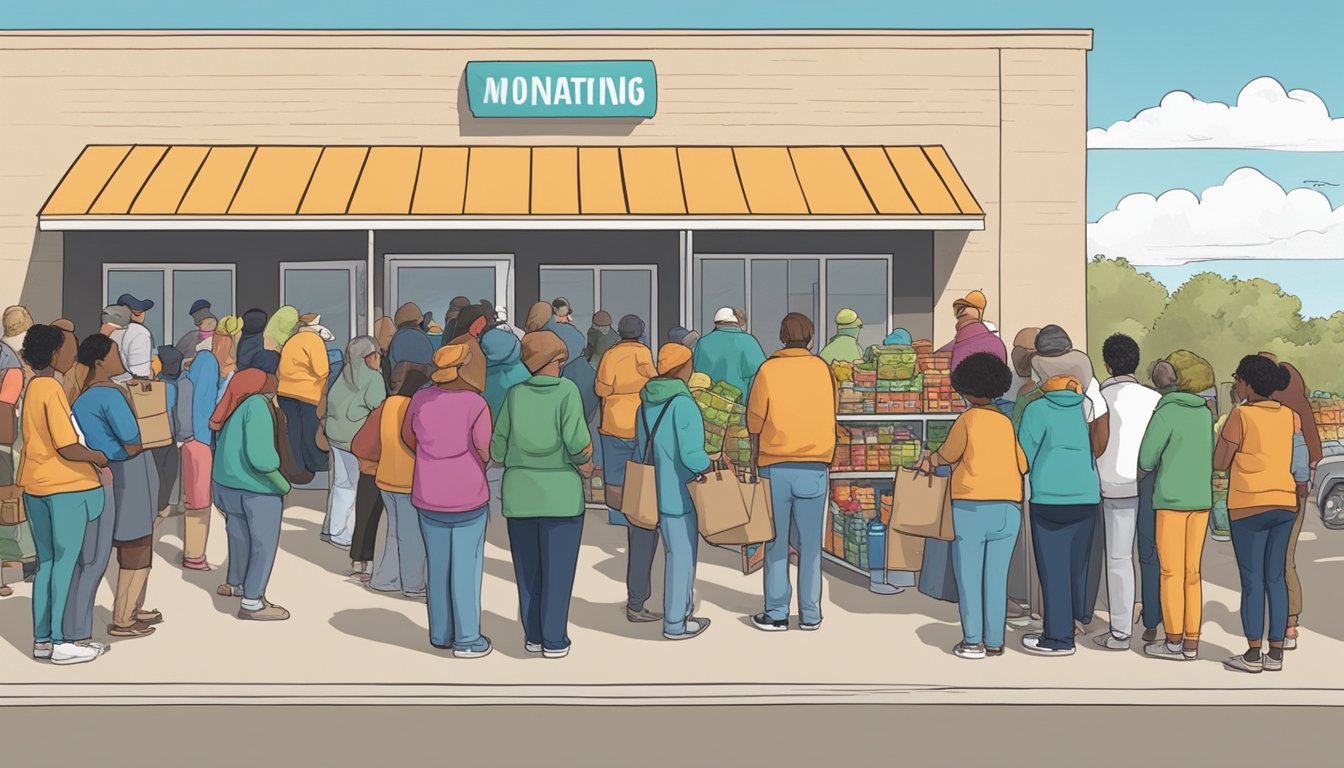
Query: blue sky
[[1142, 50]]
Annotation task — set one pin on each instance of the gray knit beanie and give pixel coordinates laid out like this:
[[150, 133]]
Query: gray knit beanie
[[1053, 341], [630, 327]]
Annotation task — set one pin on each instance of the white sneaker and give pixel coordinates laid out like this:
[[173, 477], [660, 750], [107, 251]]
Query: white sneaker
[[532, 647], [559, 653], [964, 651], [1032, 644], [101, 648], [72, 653], [1164, 650], [41, 650]]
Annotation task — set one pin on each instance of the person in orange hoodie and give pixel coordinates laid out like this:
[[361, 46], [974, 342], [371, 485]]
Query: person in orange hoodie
[[621, 373], [791, 416], [303, 372]]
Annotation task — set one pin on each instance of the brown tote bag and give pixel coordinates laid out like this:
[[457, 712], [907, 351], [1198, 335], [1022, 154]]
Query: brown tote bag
[[639, 495], [922, 506], [719, 501], [760, 525]]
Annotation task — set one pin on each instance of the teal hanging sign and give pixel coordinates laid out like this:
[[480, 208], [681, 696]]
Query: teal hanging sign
[[541, 89]]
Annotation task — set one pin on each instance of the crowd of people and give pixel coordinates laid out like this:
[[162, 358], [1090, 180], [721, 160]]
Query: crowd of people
[[1048, 466]]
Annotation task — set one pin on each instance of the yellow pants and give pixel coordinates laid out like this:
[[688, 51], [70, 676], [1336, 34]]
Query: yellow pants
[[1180, 547]]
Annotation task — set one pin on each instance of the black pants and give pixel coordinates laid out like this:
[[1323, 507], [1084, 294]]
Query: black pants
[[640, 549], [368, 513], [1062, 535], [545, 557], [168, 461], [302, 423]]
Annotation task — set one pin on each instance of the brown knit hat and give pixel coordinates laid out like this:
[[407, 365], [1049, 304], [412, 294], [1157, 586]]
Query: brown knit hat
[[17, 320], [541, 348]]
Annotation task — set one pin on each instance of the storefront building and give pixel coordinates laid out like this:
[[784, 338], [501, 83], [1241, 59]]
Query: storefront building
[[664, 174]]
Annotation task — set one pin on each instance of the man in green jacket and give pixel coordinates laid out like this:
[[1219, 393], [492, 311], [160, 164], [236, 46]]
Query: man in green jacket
[[729, 353], [844, 345], [1178, 446], [541, 437]]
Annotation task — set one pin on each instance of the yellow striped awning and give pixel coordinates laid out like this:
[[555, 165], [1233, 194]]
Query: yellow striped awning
[[187, 183]]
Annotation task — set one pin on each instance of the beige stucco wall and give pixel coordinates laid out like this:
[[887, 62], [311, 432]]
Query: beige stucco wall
[[1008, 106]]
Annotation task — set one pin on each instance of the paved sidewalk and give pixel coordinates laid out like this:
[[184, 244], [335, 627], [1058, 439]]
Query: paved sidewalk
[[347, 643]]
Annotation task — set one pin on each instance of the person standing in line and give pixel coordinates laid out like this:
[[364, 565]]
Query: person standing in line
[[1065, 492], [135, 340], [252, 337], [197, 394], [448, 427], [504, 370], [601, 337], [577, 367], [844, 345], [410, 343], [379, 443], [451, 330], [973, 333], [676, 443], [304, 368], [791, 415], [986, 502], [358, 390], [472, 321], [168, 459], [1297, 397], [383, 331], [621, 376], [104, 416], [282, 325], [542, 439], [248, 485], [206, 326], [62, 491], [1263, 448], [1177, 452], [1130, 405], [728, 353], [223, 346]]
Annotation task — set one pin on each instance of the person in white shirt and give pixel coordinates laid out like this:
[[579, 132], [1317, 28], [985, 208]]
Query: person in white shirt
[[1130, 405], [135, 341]]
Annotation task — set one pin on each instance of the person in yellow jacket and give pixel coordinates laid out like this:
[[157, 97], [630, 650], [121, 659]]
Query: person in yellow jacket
[[622, 373], [791, 416], [304, 368]]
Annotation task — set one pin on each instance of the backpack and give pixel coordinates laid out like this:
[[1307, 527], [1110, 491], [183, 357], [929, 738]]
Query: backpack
[[293, 469]]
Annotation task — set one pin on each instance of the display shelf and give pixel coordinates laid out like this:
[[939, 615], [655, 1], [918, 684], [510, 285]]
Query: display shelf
[[842, 562], [879, 418]]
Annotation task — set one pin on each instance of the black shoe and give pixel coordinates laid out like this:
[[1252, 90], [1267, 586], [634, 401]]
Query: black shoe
[[766, 624]]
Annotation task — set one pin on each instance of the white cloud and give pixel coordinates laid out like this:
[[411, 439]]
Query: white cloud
[[1247, 217], [1264, 117]]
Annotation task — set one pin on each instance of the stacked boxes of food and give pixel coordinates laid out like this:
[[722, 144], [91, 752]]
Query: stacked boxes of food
[[939, 396], [935, 434], [725, 422], [846, 536], [1328, 410], [886, 382], [874, 448]]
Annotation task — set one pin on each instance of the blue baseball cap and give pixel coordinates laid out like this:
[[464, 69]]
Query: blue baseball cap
[[132, 303]]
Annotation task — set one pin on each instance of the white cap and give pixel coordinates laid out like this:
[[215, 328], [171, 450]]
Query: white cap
[[725, 315]]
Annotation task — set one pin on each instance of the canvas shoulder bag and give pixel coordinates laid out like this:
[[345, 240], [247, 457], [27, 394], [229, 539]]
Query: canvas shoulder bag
[[639, 497]]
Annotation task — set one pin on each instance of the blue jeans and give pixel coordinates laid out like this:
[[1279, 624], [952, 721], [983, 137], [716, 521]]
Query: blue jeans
[[252, 521], [302, 422], [1261, 544], [615, 452], [798, 492], [455, 551], [400, 563], [545, 557], [93, 559], [58, 522], [1062, 535], [986, 535], [1150, 574], [681, 539]]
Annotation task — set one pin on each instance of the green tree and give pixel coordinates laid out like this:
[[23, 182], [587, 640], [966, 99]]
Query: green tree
[[1120, 299]]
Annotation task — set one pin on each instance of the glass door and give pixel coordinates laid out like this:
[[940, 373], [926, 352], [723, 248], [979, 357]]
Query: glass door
[[336, 290], [433, 281], [618, 289], [173, 288]]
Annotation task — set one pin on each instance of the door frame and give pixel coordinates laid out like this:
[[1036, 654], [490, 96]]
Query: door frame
[[352, 267], [597, 269], [503, 287]]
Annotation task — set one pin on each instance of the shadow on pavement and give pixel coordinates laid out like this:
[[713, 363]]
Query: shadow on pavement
[[381, 625]]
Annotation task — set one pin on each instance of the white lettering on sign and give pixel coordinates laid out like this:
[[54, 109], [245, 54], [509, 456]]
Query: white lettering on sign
[[564, 91]]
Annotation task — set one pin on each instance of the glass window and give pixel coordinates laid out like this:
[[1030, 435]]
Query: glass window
[[718, 283], [778, 287], [142, 284], [213, 285], [863, 286], [627, 292], [325, 291], [432, 288], [574, 285]]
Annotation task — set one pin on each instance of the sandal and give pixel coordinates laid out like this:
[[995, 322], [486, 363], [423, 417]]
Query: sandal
[[195, 564], [6, 591], [138, 629]]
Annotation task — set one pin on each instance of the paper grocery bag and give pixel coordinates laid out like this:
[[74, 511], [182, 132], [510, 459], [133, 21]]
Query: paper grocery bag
[[922, 505], [760, 525], [904, 552], [149, 401], [639, 496], [718, 500]]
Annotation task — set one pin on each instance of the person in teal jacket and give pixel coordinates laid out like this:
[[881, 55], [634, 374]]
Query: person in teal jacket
[[249, 487], [1065, 494], [729, 353], [670, 430], [503, 369]]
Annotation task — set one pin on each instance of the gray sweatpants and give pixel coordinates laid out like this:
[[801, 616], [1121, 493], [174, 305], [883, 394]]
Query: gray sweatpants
[[1120, 518]]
